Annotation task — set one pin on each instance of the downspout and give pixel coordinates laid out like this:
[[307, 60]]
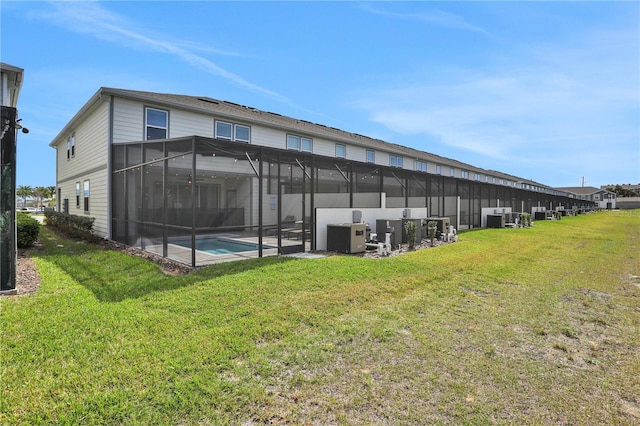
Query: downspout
[[109, 168]]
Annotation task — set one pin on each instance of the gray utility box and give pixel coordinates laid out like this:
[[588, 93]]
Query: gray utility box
[[495, 221], [443, 224], [392, 226], [346, 237], [540, 215], [405, 236]]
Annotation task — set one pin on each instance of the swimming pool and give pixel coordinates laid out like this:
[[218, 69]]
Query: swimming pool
[[217, 245]]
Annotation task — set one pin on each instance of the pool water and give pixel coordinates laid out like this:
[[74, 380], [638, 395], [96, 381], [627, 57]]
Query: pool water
[[223, 246]]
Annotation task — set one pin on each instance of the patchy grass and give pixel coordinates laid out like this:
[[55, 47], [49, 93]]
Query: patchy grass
[[536, 325]]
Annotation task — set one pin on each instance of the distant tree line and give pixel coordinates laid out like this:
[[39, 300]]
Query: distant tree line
[[39, 193], [623, 192]]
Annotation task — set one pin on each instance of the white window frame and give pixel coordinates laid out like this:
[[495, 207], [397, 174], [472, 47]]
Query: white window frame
[[69, 148], [235, 133], [421, 166], [217, 135], [396, 161], [154, 126], [306, 144], [438, 169], [343, 148], [77, 195], [293, 142], [452, 172], [86, 194], [73, 145], [299, 143], [370, 156]]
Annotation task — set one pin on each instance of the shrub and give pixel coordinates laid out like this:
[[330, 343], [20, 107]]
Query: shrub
[[432, 229], [410, 229], [71, 225], [28, 230]]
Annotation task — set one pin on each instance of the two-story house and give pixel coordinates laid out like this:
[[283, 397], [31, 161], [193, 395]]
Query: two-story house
[[198, 179]]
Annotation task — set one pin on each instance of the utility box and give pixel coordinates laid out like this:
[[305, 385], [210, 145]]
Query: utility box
[[495, 221], [540, 215], [346, 237], [405, 236], [443, 224], [392, 226]]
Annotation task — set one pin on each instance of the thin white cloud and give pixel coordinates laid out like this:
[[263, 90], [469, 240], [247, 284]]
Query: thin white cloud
[[92, 19], [542, 106], [432, 17]]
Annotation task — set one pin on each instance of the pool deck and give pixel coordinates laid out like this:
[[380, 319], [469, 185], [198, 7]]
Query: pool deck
[[183, 254]]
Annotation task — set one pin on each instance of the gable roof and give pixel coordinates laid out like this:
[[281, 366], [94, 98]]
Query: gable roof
[[230, 110]]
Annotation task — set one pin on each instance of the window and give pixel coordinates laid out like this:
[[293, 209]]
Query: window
[[68, 148], [452, 171], [421, 166], [371, 156], [478, 177], [232, 132], [78, 195], [299, 143], [156, 123], [86, 196], [395, 161], [341, 151], [307, 144], [242, 133], [464, 174], [223, 130], [73, 145], [293, 142], [438, 170]]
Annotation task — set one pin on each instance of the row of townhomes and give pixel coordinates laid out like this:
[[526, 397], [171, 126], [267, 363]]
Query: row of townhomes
[[198, 180]]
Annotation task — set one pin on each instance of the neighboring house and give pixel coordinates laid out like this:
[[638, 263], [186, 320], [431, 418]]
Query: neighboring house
[[603, 198], [166, 172]]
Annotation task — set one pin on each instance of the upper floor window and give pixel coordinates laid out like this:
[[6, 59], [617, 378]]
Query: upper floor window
[[421, 166], [156, 123], [452, 171], [341, 151], [464, 174], [478, 177], [299, 143], [395, 161], [73, 145], [232, 132], [69, 147], [438, 170], [371, 156]]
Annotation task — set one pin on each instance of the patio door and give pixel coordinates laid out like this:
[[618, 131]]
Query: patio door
[[294, 223]]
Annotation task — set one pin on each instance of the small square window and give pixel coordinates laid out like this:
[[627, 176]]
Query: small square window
[[307, 144], [293, 142], [223, 130], [341, 151], [243, 134], [371, 157]]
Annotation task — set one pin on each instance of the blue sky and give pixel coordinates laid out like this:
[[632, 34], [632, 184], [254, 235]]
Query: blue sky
[[547, 91]]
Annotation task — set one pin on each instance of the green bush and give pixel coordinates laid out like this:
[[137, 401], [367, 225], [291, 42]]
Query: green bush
[[71, 225], [28, 230]]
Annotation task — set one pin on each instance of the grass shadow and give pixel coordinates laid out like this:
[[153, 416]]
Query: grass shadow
[[114, 276]]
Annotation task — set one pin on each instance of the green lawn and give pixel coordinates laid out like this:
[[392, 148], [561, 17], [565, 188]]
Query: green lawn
[[507, 326]]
